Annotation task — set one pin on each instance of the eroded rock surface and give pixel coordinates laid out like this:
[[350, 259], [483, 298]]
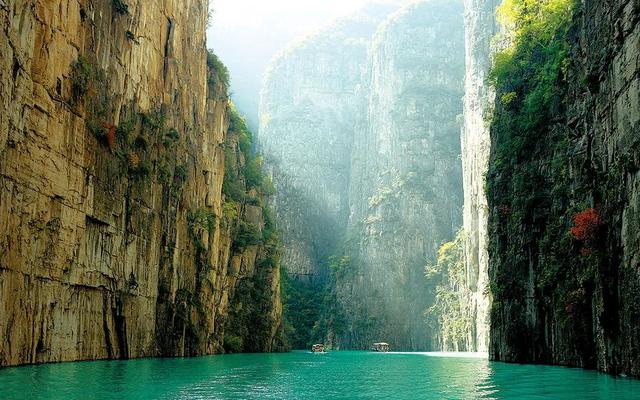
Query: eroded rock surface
[[111, 167]]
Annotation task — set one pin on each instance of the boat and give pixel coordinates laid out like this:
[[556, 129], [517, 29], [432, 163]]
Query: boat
[[381, 347], [317, 348]]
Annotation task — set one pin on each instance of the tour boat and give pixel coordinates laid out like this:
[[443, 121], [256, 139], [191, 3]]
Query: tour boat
[[380, 347], [317, 348]]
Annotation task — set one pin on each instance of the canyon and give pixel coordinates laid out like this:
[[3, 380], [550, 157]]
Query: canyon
[[361, 122], [440, 175], [544, 268]]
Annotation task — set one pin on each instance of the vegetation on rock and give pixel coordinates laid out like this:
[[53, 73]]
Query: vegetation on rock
[[221, 75], [81, 79], [537, 206], [448, 278], [250, 322]]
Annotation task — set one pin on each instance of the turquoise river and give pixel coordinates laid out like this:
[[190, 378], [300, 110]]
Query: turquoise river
[[302, 375]]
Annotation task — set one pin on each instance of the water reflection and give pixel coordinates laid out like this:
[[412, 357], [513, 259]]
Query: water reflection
[[536, 381], [301, 375]]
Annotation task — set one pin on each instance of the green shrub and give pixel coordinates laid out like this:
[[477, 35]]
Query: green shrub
[[124, 129], [448, 276], [233, 343], [98, 131], [253, 173], [341, 265], [268, 231], [246, 234], [82, 76], [230, 211], [201, 219], [233, 190], [218, 69], [141, 171], [180, 174]]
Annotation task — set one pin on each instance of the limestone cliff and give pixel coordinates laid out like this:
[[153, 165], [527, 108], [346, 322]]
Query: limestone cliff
[[405, 193], [564, 197], [479, 31], [114, 242], [359, 127], [309, 106]]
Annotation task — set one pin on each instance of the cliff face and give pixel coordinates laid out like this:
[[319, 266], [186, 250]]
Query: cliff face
[[309, 106], [564, 261], [479, 30], [405, 189], [112, 134], [359, 127]]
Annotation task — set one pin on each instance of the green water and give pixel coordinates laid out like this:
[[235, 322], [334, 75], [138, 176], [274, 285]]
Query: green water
[[302, 375]]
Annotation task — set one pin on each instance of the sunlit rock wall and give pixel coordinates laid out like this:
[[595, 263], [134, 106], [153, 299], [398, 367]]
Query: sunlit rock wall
[[406, 180], [309, 105], [479, 30], [104, 252]]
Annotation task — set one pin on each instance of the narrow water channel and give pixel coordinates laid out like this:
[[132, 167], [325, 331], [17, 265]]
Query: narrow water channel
[[302, 375]]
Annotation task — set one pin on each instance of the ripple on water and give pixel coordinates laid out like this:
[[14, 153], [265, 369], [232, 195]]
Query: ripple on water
[[302, 375]]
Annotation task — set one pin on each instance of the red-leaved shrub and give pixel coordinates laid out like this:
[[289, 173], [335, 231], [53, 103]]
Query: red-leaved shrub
[[586, 224]]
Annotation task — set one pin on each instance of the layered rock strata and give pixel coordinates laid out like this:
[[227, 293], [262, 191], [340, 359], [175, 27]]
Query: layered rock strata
[[112, 131]]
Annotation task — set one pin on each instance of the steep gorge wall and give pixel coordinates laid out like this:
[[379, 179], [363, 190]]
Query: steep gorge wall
[[564, 261], [405, 191], [480, 28], [359, 129], [310, 102], [112, 132]]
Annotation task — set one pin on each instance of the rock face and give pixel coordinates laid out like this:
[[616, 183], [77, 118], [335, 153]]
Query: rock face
[[480, 28], [568, 282], [112, 131], [309, 106], [359, 129], [405, 192]]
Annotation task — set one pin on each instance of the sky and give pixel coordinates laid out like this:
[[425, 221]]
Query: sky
[[247, 34]]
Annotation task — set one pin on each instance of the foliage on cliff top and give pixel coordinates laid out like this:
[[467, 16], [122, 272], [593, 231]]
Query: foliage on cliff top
[[530, 81], [527, 72], [243, 168], [217, 66]]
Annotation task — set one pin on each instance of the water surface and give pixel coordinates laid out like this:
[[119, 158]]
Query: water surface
[[302, 375]]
